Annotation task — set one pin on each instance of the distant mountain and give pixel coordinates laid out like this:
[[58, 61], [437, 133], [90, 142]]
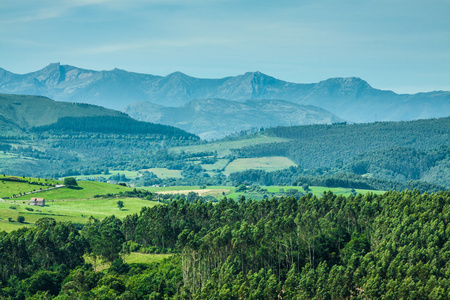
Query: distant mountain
[[216, 118], [20, 114], [351, 99]]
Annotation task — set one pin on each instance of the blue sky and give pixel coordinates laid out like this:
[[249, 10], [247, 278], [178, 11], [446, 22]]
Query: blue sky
[[398, 45]]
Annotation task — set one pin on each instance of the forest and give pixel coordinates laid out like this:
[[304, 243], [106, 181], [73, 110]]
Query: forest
[[93, 145], [388, 246]]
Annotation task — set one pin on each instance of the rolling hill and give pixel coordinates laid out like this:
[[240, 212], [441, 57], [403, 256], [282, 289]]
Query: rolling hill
[[352, 99], [20, 113], [216, 118]]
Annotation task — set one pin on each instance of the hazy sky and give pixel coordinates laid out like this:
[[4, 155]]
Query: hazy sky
[[399, 45]]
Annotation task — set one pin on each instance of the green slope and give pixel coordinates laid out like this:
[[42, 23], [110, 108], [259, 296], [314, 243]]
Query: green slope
[[29, 111]]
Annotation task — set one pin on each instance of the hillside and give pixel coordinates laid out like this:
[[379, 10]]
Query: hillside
[[216, 118], [32, 111], [321, 145], [414, 150], [40, 114], [42, 137], [351, 99]]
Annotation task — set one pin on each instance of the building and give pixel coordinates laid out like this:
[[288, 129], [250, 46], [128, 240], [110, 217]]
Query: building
[[37, 201]]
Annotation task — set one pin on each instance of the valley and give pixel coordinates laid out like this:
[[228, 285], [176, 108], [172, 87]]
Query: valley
[[143, 209]]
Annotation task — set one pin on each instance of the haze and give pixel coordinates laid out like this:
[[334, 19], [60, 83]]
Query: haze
[[398, 45]]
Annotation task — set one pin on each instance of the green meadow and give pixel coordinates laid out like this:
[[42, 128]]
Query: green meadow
[[75, 211], [85, 190], [223, 147], [162, 173], [128, 174], [142, 258], [268, 164], [78, 204], [220, 164], [10, 188], [165, 173], [230, 191]]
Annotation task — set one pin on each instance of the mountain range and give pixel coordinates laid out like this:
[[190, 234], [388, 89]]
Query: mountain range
[[351, 99], [216, 118]]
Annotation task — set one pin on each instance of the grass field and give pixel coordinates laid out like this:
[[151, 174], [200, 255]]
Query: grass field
[[315, 190], [4, 155], [142, 258], [230, 191], [128, 174], [75, 211], [132, 258], [219, 165], [10, 188], [215, 191], [223, 147], [86, 190], [77, 205], [164, 173], [261, 163]]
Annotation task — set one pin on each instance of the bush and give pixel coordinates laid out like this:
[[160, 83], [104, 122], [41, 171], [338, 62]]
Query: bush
[[29, 209], [20, 219], [70, 182]]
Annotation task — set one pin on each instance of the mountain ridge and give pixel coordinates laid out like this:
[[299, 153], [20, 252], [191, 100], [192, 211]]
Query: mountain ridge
[[216, 118], [350, 98], [22, 114]]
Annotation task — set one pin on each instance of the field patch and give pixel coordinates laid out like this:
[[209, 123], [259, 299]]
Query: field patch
[[164, 173], [75, 211], [223, 147], [200, 192], [9, 188], [143, 258], [85, 190], [127, 174], [261, 163], [218, 165]]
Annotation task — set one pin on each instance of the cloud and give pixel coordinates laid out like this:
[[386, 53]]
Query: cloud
[[26, 11], [151, 44]]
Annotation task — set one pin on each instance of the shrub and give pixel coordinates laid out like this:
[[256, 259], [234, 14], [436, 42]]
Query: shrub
[[70, 182], [20, 219]]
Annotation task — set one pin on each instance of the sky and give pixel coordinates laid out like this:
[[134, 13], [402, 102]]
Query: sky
[[396, 45]]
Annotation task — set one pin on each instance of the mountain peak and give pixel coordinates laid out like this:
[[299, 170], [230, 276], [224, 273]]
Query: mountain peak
[[349, 82], [52, 66], [177, 74], [256, 74]]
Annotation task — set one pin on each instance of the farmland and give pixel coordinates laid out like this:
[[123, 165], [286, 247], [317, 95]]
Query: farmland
[[75, 211], [79, 203], [261, 163]]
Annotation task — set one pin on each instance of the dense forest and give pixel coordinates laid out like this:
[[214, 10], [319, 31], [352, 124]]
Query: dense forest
[[316, 146], [328, 178], [389, 246], [113, 125]]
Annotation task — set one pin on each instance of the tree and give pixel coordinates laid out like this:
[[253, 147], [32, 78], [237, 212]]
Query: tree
[[70, 182], [20, 219], [120, 204]]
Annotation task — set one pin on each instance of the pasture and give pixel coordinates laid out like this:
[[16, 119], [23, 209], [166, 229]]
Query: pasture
[[85, 190], [75, 211], [268, 164], [164, 173], [9, 188], [223, 147]]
